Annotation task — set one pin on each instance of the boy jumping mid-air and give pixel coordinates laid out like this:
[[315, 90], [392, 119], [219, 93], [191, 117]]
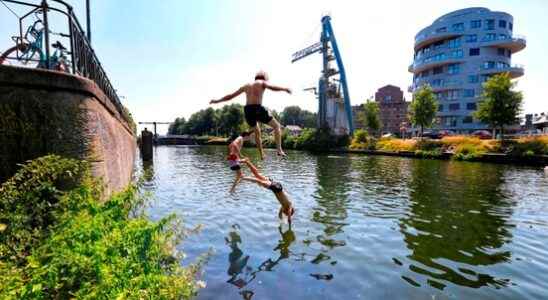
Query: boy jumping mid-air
[[234, 157], [275, 187], [255, 111]]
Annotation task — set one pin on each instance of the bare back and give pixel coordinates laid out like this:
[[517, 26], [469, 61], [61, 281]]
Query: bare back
[[254, 92]]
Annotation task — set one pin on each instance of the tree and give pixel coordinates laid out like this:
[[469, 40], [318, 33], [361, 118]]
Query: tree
[[291, 115], [370, 116], [231, 118], [423, 108], [499, 104], [294, 115]]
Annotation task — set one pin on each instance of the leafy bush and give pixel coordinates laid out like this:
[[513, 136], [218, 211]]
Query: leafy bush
[[77, 247], [526, 146], [362, 141], [468, 151], [428, 145], [434, 153]]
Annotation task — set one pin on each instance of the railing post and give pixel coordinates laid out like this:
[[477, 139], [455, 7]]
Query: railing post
[[71, 37], [46, 31]]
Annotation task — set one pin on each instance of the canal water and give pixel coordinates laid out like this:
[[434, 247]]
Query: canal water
[[366, 227]]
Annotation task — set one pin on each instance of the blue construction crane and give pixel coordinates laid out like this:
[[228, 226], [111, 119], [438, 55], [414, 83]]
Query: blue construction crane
[[335, 112]]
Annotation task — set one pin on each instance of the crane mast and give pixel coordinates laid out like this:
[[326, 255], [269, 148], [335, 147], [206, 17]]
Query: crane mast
[[334, 107]]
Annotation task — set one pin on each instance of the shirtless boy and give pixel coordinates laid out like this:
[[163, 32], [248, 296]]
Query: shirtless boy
[[234, 157], [275, 187], [255, 111]]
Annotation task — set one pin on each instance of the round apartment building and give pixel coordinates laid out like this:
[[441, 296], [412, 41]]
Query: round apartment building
[[456, 54]]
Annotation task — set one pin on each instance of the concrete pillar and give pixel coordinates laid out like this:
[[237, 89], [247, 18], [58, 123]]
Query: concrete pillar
[[146, 145]]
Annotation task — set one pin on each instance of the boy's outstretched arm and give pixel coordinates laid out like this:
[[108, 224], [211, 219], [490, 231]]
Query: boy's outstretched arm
[[229, 96], [276, 88]]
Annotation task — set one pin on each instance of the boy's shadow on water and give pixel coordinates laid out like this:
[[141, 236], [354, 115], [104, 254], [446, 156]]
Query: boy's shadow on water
[[240, 273]]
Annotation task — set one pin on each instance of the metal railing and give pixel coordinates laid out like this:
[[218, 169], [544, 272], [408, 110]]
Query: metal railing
[[84, 61]]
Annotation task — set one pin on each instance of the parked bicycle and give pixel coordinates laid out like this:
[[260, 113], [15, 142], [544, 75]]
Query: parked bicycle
[[29, 50]]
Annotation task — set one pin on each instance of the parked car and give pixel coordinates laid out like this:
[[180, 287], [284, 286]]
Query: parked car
[[432, 134], [482, 134]]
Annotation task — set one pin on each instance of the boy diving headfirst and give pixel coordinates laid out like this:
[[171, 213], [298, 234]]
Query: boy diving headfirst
[[234, 157], [276, 187], [255, 111]]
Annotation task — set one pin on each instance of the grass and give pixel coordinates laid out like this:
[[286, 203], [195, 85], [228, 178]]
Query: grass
[[58, 241], [396, 145]]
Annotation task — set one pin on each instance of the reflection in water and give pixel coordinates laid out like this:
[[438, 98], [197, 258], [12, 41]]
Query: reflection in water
[[148, 171], [457, 220], [333, 176], [240, 273]]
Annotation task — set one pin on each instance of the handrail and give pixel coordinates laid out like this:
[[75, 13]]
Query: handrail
[[84, 60]]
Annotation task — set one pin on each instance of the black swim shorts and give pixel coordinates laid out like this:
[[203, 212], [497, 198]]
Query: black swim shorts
[[256, 112], [276, 187]]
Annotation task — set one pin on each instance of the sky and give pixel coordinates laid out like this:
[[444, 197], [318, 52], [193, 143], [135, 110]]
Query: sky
[[169, 58]]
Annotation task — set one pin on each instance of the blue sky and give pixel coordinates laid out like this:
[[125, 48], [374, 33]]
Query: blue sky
[[168, 58]]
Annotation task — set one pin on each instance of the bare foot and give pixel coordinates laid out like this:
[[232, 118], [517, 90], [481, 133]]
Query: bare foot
[[282, 153]]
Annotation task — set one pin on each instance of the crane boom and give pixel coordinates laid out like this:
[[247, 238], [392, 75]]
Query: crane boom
[[306, 52]]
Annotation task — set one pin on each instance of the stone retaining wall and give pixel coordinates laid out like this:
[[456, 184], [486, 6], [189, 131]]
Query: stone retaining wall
[[44, 112]]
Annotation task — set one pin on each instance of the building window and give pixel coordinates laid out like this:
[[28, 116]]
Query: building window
[[437, 70], [437, 82], [502, 23], [457, 53], [438, 45], [489, 65], [475, 24], [388, 98], [474, 51], [440, 107], [510, 26], [454, 106], [503, 37], [471, 106], [453, 68], [473, 78], [467, 120], [452, 94], [471, 38], [458, 27], [469, 93], [490, 24], [441, 29], [502, 65], [501, 51], [490, 37], [453, 43]]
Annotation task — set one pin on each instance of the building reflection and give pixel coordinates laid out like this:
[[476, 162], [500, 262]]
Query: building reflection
[[457, 223], [332, 202]]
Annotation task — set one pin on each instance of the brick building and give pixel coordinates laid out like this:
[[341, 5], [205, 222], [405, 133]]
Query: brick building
[[393, 108]]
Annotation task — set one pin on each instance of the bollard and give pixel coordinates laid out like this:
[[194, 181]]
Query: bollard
[[146, 145]]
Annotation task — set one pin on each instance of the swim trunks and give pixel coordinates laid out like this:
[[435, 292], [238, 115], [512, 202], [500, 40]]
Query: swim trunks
[[276, 187], [256, 112], [233, 162]]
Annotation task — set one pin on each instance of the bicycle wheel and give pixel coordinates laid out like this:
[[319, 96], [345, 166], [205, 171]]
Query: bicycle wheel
[[27, 57]]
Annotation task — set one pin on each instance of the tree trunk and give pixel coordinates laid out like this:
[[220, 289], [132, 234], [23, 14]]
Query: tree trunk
[[502, 133], [421, 131]]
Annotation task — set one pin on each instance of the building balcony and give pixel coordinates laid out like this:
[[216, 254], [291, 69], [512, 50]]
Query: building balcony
[[443, 86], [515, 43], [514, 70], [425, 64], [429, 38]]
